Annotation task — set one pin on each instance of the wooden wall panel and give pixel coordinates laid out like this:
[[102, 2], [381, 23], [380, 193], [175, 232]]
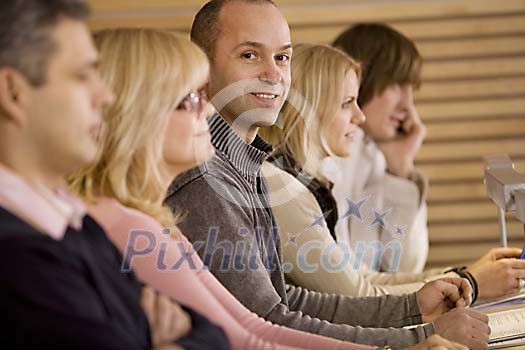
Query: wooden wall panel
[[472, 99], [467, 149], [484, 129], [453, 171], [457, 191], [454, 110], [476, 46], [478, 67], [459, 254], [468, 232], [479, 88], [426, 29]]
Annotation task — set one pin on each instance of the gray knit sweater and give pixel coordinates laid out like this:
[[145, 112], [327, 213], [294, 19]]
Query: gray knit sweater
[[228, 219]]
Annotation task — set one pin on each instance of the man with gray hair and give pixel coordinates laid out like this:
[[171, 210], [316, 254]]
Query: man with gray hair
[[62, 286]]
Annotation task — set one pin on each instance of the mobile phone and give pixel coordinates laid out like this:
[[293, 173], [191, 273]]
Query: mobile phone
[[523, 253]]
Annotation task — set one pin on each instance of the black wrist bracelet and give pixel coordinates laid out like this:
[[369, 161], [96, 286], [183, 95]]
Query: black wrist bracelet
[[474, 284], [462, 272]]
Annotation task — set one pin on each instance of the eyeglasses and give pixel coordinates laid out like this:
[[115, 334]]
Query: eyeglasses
[[194, 101]]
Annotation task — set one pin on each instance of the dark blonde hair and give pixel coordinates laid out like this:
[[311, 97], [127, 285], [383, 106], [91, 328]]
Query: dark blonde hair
[[150, 71], [387, 58], [316, 94]]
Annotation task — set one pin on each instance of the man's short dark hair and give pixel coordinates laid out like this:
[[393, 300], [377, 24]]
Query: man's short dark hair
[[205, 29], [387, 57], [25, 25]]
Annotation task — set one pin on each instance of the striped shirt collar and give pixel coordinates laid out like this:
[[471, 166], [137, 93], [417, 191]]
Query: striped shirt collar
[[247, 158], [50, 211]]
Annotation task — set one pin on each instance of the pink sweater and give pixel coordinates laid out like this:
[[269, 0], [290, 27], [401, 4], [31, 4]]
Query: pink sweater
[[195, 287]]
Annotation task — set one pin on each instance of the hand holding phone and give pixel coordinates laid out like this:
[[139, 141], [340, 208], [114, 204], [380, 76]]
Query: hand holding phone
[[401, 151]]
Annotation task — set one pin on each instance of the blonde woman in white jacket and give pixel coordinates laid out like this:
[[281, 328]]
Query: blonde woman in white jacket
[[321, 120]]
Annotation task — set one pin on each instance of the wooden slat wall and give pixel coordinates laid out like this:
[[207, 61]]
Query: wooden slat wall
[[472, 98]]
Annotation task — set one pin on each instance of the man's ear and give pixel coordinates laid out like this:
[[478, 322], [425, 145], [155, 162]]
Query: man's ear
[[14, 90]]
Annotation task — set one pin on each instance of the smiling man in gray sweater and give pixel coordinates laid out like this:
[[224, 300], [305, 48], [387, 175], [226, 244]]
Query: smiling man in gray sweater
[[226, 210]]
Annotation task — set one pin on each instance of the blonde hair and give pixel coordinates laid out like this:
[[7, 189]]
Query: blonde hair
[[150, 71], [318, 74]]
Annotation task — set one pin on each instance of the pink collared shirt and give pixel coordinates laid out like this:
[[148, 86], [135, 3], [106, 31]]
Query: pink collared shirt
[[50, 211]]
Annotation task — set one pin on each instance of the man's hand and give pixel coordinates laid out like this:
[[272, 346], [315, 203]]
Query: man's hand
[[464, 326], [168, 322], [440, 296], [436, 342], [497, 273], [400, 153]]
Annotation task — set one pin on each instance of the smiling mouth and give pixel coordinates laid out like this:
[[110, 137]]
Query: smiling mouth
[[265, 95]]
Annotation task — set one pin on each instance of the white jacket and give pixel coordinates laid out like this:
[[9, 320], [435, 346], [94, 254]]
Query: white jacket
[[363, 176]]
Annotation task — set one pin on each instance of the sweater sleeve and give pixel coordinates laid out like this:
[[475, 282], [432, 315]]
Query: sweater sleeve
[[328, 315]]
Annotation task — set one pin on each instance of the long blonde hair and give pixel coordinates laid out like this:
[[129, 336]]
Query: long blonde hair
[[318, 73], [150, 71]]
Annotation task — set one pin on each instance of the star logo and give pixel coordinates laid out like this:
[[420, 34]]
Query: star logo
[[400, 230], [354, 209], [379, 218], [292, 239], [320, 219]]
